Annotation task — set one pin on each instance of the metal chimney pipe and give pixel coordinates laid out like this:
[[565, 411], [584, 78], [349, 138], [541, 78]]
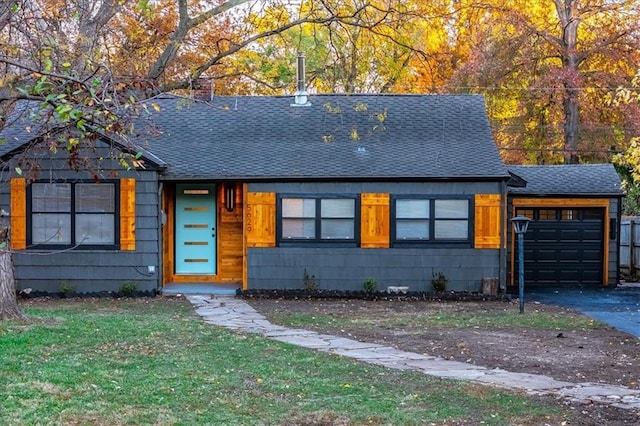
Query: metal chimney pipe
[[301, 95], [301, 72]]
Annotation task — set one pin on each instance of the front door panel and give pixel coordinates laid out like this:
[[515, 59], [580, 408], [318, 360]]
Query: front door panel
[[196, 229]]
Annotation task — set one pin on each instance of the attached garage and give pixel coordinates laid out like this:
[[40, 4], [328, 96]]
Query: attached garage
[[572, 240]]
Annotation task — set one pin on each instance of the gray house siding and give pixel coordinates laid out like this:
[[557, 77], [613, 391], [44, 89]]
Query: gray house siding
[[99, 270], [426, 188], [347, 268]]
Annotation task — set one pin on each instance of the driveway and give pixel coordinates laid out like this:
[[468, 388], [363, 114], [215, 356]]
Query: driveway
[[619, 307]]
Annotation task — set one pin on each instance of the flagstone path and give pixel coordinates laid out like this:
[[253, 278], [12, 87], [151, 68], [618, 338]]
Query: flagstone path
[[233, 313]]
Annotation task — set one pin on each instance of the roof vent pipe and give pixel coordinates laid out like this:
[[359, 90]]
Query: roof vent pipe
[[301, 95]]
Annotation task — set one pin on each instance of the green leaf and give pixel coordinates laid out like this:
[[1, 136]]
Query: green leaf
[[18, 171], [3, 245], [75, 114], [48, 65]]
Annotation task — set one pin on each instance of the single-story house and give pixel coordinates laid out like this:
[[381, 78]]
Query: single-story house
[[277, 192]]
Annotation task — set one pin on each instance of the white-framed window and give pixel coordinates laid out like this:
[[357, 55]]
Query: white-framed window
[[320, 219], [420, 219]]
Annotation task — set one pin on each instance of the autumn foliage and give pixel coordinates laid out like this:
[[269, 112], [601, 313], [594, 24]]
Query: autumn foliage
[[548, 69]]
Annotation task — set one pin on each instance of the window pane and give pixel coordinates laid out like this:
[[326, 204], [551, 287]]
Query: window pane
[[451, 229], [592, 214], [338, 208], [547, 215], [298, 207], [407, 209], [94, 197], [95, 229], [570, 215], [452, 209], [51, 228], [525, 212], [298, 228], [342, 229], [51, 197], [412, 229]]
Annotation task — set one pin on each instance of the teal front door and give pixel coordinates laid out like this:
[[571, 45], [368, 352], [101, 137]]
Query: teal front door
[[196, 229]]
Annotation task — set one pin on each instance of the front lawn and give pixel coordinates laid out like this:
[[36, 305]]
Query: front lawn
[[152, 361]]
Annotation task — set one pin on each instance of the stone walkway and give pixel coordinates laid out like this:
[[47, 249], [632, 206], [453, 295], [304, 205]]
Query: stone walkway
[[232, 313]]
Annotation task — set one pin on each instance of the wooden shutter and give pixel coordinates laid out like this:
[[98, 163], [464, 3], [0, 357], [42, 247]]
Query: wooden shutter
[[127, 214], [260, 219], [18, 212], [374, 221], [487, 221]]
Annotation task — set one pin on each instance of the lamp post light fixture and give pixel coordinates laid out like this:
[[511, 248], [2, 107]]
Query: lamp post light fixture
[[520, 226]]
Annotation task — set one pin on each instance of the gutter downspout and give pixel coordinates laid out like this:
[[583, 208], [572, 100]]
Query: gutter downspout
[[161, 220], [503, 234]]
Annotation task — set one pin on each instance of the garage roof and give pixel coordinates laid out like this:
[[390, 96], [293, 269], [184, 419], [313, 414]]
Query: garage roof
[[568, 179]]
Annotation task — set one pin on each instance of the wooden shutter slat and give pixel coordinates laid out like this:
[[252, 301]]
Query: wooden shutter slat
[[127, 214], [260, 219], [374, 221], [18, 212], [487, 221]]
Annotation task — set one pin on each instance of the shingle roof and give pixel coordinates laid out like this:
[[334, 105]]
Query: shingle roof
[[19, 126], [568, 179], [25, 122], [260, 137], [336, 137]]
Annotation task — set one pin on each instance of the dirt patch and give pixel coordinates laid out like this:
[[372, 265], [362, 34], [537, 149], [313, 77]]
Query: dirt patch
[[584, 353]]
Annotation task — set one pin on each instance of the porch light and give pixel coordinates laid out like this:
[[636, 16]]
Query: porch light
[[229, 196], [520, 226]]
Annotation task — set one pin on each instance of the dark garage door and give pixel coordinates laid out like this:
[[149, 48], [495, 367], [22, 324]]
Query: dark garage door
[[563, 246]]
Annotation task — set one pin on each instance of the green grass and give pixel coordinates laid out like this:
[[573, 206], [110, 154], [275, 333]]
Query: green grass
[[443, 317], [152, 361]]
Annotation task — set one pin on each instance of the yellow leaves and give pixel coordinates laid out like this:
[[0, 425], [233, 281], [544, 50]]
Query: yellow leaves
[[354, 135], [331, 109], [360, 107]]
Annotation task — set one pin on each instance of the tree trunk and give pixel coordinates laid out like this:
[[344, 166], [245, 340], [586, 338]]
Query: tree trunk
[[9, 308], [568, 16], [571, 126]]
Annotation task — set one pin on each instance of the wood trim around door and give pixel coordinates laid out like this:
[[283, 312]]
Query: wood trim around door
[[568, 203]]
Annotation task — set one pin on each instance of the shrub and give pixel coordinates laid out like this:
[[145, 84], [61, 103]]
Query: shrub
[[66, 287], [370, 284], [128, 288], [439, 281], [310, 283]]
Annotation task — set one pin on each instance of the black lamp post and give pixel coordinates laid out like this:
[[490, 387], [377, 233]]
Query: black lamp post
[[520, 225]]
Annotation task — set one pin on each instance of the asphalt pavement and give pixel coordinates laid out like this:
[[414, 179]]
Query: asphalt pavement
[[617, 306]]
